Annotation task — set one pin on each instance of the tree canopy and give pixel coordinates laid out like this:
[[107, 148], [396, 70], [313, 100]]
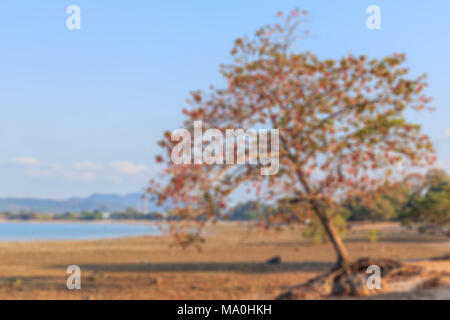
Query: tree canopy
[[341, 124], [430, 203]]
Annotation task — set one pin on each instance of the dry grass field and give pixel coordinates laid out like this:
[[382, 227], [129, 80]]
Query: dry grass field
[[231, 265]]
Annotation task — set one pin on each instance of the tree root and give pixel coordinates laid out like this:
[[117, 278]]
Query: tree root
[[351, 280]]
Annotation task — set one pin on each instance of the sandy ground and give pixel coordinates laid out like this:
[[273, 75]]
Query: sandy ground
[[231, 264]]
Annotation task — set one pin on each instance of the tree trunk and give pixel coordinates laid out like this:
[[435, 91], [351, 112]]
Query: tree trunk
[[343, 257]]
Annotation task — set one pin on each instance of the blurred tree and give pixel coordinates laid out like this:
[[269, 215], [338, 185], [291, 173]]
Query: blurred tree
[[315, 230], [133, 214], [429, 205], [66, 216], [250, 210], [341, 123], [91, 215], [129, 214], [384, 205]]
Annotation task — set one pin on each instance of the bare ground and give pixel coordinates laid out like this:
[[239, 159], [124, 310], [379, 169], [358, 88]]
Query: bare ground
[[231, 265]]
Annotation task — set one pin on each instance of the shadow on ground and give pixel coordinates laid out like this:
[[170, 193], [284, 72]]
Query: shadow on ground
[[403, 239], [360, 238], [243, 267]]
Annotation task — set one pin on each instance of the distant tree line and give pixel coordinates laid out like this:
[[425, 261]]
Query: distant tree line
[[417, 200], [128, 214]]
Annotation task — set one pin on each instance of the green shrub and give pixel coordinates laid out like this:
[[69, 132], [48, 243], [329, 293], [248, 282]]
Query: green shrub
[[372, 235], [315, 231]]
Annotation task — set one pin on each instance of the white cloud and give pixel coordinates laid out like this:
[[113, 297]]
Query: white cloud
[[128, 168], [38, 173], [86, 171], [87, 166], [78, 176], [114, 179], [447, 132], [26, 161], [56, 171], [55, 167]]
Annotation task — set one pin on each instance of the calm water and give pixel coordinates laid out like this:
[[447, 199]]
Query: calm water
[[16, 231]]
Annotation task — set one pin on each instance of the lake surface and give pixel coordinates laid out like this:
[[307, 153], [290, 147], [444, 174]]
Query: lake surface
[[18, 231]]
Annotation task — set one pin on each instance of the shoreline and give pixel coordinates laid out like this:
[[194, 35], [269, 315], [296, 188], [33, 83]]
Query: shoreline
[[232, 264], [85, 221], [80, 241], [48, 231]]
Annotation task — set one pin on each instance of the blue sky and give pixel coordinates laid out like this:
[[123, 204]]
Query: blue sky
[[81, 110]]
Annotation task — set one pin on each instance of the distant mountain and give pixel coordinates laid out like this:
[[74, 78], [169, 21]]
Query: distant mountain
[[97, 201]]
